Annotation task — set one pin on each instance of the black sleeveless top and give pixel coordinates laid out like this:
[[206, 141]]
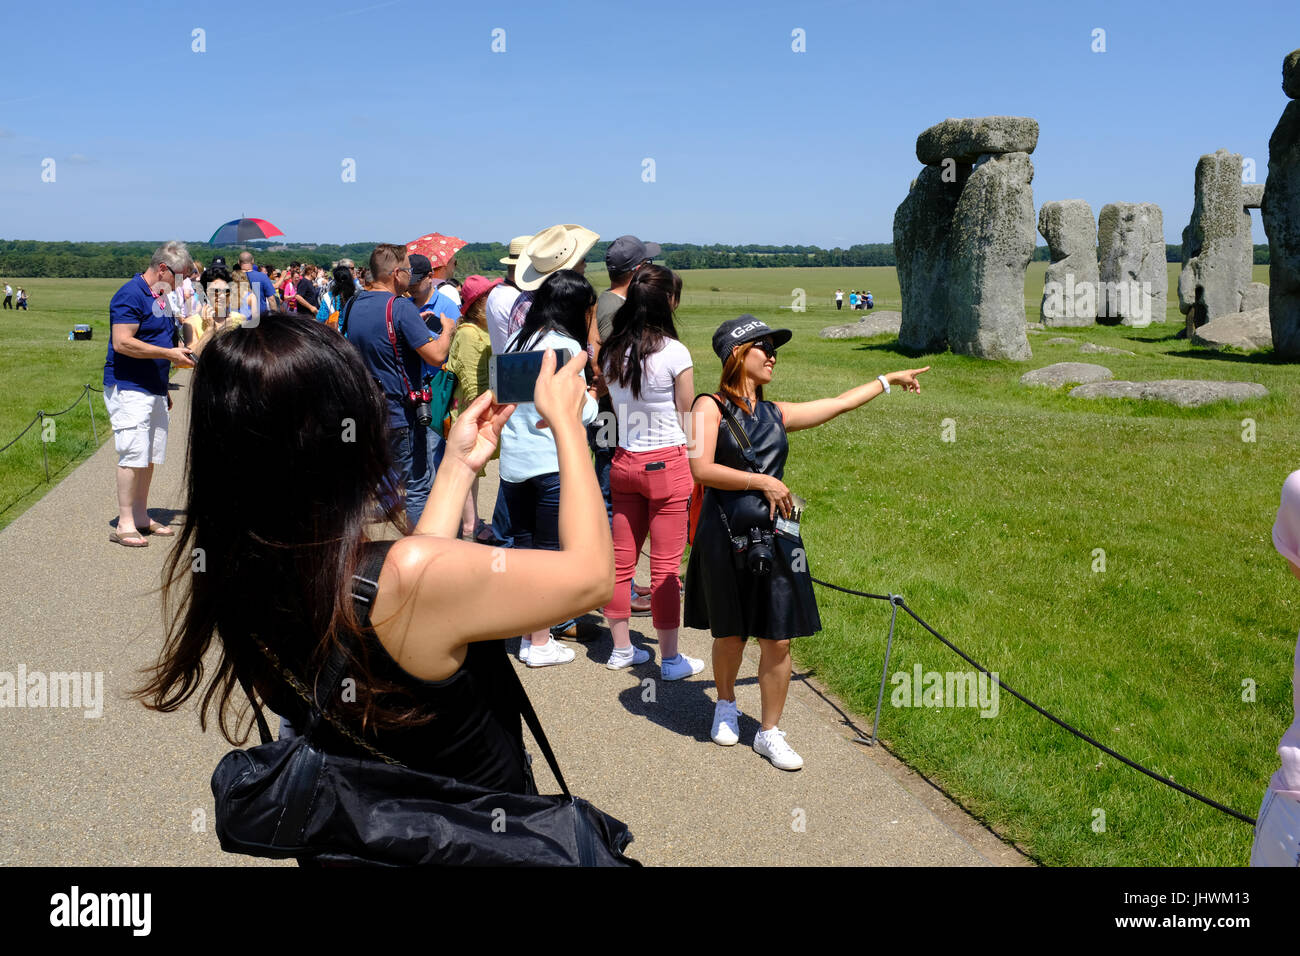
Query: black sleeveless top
[[730, 602], [475, 735]]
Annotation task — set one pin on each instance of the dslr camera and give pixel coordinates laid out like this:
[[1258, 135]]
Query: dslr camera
[[421, 399], [752, 552]]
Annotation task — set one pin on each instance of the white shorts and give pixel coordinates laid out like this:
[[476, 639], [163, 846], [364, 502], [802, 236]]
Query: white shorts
[[139, 426], [1277, 834]]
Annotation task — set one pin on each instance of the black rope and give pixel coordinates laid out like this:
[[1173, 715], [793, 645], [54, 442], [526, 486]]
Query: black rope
[[1048, 714], [22, 433], [70, 407]]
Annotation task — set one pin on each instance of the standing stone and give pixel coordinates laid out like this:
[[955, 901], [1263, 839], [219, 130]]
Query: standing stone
[[1217, 248], [1070, 285], [921, 226], [991, 244], [1281, 211], [1131, 248]]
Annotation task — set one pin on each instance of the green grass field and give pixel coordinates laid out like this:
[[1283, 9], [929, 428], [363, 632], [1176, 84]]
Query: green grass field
[[992, 539]]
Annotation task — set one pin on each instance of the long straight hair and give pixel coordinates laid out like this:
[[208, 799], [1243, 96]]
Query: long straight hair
[[560, 305], [287, 464], [641, 326], [732, 385]]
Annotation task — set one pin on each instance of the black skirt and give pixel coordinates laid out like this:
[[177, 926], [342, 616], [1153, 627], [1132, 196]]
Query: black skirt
[[730, 602]]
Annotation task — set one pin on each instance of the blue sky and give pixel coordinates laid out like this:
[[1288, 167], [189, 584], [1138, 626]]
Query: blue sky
[[751, 141]]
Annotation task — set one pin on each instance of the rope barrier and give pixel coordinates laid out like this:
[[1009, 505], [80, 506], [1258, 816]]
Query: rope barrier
[[42, 415], [897, 601]]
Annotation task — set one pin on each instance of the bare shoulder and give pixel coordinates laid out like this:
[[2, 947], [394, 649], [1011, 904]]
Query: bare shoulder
[[706, 406]]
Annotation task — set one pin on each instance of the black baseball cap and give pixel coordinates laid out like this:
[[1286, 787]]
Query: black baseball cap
[[420, 267], [747, 328], [627, 252]]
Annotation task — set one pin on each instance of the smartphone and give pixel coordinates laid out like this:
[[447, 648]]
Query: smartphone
[[513, 375]]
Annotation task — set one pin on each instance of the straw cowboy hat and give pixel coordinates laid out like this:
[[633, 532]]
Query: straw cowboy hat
[[516, 246], [553, 249]]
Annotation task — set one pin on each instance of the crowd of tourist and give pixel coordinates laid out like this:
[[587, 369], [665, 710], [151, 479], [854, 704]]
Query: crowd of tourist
[[615, 448]]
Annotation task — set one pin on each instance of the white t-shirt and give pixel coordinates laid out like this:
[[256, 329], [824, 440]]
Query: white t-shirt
[[650, 422], [499, 303]]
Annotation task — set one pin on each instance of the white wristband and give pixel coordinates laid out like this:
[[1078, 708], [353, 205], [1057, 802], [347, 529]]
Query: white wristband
[[883, 381]]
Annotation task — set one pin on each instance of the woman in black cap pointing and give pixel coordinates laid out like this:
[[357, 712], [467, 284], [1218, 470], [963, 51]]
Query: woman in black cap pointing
[[748, 573]]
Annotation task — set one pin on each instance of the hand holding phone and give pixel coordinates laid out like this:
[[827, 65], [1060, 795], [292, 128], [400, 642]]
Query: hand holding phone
[[512, 376], [560, 392]]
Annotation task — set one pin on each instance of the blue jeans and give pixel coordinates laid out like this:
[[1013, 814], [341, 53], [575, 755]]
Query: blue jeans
[[501, 519], [414, 465], [603, 459], [534, 508]]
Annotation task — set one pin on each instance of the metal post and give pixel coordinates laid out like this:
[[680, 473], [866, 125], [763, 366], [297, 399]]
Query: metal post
[[45, 456], [90, 400], [894, 601]]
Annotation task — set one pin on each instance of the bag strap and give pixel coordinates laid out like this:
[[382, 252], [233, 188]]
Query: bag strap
[[535, 725], [737, 431], [392, 340]]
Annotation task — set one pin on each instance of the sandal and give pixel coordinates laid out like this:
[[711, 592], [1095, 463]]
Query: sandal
[[128, 540], [159, 530]]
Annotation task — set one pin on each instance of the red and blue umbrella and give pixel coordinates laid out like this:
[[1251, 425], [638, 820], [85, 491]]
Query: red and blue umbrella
[[243, 230]]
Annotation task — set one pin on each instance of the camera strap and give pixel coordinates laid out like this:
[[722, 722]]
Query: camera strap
[[392, 340], [737, 432]]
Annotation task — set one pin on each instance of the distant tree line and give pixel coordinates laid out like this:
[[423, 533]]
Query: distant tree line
[[112, 260]]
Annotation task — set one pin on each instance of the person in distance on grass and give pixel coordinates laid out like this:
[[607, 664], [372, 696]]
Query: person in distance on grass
[[727, 590], [1277, 831], [22, 299], [141, 346], [432, 687], [9, 296]]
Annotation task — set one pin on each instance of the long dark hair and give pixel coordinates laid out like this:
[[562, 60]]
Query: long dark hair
[[560, 305], [287, 462], [641, 325], [343, 286]]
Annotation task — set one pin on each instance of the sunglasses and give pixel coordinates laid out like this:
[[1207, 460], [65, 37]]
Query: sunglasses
[[768, 347]]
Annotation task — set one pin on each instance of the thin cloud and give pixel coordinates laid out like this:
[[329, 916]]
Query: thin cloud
[[78, 159]]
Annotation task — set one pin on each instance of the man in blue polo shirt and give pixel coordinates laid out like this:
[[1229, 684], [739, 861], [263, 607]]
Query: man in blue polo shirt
[[396, 364], [141, 346], [260, 283]]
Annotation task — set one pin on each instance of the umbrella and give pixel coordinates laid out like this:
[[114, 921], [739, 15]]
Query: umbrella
[[436, 246], [242, 230]]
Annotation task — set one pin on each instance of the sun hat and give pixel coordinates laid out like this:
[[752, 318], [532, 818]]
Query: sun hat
[[474, 288], [627, 252], [553, 249], [744, 329], [517, 245]]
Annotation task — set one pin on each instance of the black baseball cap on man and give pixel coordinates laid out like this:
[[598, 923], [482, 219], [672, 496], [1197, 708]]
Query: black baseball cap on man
[[747, 328], [627, 252], [420, 267]]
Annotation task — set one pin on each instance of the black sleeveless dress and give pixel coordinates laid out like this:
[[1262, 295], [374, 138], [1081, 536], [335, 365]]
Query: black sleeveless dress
[[476, 734], [730, 602]]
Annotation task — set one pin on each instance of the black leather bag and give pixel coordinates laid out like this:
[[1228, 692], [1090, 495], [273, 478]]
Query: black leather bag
[[290, 798]]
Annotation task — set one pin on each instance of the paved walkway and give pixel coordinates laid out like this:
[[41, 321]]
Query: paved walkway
[[132, 786]]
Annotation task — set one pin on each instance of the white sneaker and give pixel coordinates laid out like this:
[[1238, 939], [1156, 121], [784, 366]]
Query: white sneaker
[[524, 648], [552, 652], [726, 723], [771, 744], [627, 657], [675, 668]]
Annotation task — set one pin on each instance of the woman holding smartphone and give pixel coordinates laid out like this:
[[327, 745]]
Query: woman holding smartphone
[[432, 682], [746, 577], [530, 476]]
